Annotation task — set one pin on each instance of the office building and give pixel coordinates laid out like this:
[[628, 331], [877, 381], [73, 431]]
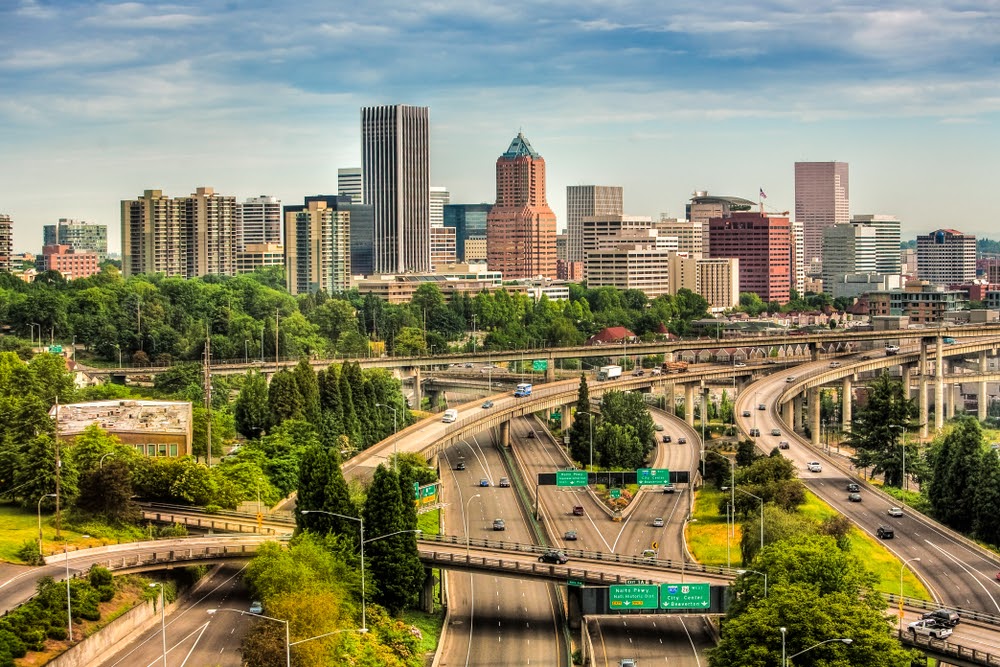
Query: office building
[[689, 233], [442, 247], [946, 257], [847, 249], [153, 239], [717, 279], [639, 266], [78, 235], [702, 207], [920, 300], [72, 264], [349, 184], [521, 228], [798, 254], [762, 243], [597, 228], [583, 201], [853, 285], [318, 246], [887, 238], [259, 221], [395, 163], [469, 222], [562, 241], [6, 242], [475, 250], [439, 198], [822, 199], [455, 280]]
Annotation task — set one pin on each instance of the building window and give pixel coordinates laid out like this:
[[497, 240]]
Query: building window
[[173, 450]]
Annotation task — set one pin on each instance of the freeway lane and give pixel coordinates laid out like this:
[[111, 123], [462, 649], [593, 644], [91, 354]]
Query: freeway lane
[[957, 574], [679, 640]]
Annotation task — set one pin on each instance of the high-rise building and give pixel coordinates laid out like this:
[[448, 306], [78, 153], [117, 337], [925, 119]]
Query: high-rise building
[[209, 221], [716, 279], [887, 237], [762, 243], [702, 207], [349, 184], [469, 221], [822, 199], [847, 249], [258, 220], [317, 246], [583, 201], [153, 240], [395, 163], [439, 198], [78, 235], [442, 248], [521, 228], [640, 266], [688, 232], [71, 263], [612, 226], [946, 257], [6, 242], [798, 256], [562, 245]]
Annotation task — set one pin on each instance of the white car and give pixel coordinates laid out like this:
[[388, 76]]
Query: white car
[[895, 511], [814, 466]]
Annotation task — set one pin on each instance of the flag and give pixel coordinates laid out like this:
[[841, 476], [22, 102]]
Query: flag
[[762, 195]]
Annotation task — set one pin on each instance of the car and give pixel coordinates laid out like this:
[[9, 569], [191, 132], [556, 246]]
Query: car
[[570, 536], [814, 466], [668, 488], [484, 482], [783, 444], [945, 617], [553, 556], [754, 432], [504, 483], [498, 524], [658, 522], [666, 439], [929, 628], [790, 378], [256, 607], [578, 510], [469, 365], [655, 371], [885, 532], [852, 487], [627, 662], [761, 406], [460, 465], [487, 405], [746, 413], [834, 364], [771, 361], [854, 497], [895, 511], [740, 364], [682, 440], [775, 431], [531, 435], [649, 554], [638, 373], [657, 427]]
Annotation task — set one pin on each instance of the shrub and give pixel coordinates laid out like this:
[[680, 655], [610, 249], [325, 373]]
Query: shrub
[[100, 576], [30, 554], [57, 632]]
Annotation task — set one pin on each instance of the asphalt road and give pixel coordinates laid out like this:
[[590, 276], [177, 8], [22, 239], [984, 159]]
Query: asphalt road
[[677, 640]]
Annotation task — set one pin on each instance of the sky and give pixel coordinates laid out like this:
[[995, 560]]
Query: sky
[[100, 101]]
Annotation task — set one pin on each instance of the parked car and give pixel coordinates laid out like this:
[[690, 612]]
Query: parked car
[[853, 488], [929, 628], [256, 607], [682, 440], [668, 488], [484, 482], [658, 522], [570, 536], [885, 532], [775, 431], [895, 511], [783, 444], [498, 524], [746, 413], [814, 466], [854, 497], [504, 482], [553, 556], [945, 617], [578, 510], [487, 405]]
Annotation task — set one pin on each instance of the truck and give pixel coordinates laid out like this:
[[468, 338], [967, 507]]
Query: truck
[[891, 350], [609, 372], [674, 367], [523, 389]]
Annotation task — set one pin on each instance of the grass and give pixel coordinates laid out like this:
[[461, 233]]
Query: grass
[[430, 522], [19, 525], [430, 627], [707, 542]]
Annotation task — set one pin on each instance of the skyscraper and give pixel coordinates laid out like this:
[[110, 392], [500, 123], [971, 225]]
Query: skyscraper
[[763, 244], [822, 199], [847, 249], [318, 246], [584, 201], [887, 237], [521, 228], [349, 184], [469, 221], [209, 220], [6, 241], [439, 198], [946, 257], [395, 163], [78, 235], [703, 207], [258, 220]]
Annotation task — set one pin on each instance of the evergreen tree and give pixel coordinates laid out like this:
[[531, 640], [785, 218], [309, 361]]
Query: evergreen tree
[[580, 433], [393, 560], [314, 478], [305, 381], [107, 491], [251, 410], [329, 394], [987, 494], [284, 399], [878, 428], [352, 427], [961, 468], [337, 499]]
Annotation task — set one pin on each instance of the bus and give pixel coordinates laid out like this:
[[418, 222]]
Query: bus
[[523, 389]]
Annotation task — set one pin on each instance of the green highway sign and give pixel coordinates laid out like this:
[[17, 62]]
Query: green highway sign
[[615, 493], [571, 478], [424, 494], [634, 596], [416, 490], [685, 596], [539, 365], [556, 415], [652, 476], [574, 582]]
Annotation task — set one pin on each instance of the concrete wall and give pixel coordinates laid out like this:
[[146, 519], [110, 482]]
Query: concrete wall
[[90, 650]]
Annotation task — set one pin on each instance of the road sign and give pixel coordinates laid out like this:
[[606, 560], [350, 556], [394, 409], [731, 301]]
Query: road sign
[[656, 545], [539, 365], [571, 478], [615, 493], [652, 476], [574, 582], [556, 415], [416, 490], [55, 349], [685, 596], [634, 596]]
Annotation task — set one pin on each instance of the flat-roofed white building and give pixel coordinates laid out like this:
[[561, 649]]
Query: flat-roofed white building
[[153, 428], [717, 279], [639, 266]]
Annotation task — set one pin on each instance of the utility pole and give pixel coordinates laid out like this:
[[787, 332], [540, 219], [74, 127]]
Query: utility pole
[[276, 312], [208, 395], [58, 476]]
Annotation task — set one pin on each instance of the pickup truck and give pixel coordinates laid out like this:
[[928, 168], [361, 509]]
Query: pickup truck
[[929, 628]]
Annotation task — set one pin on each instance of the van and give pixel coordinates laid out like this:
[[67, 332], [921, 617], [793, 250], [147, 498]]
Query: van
[[450, 416]]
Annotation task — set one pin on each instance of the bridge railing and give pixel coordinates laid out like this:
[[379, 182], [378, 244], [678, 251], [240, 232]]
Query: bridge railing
[[916, 604], [946, 649]]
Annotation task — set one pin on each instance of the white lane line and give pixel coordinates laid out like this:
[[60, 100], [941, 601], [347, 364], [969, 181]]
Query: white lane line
[[968, 571], [694, 650]]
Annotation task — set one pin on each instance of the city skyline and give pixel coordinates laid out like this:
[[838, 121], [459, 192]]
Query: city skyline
[[106, 100]]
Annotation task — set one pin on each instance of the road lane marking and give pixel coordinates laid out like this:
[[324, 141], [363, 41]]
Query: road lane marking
[[967, 570]]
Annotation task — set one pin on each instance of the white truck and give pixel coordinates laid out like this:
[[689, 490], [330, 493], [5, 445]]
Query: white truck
[[929, 628], [609, 372]]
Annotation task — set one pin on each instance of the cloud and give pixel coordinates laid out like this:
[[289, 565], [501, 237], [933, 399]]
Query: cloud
[[31, 9], [137, 15]]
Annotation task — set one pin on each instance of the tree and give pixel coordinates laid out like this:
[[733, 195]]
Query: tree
[[580, 432], [618, 446], [394, 562], [284, 399], [352, 426], [877, 429], [629, 408], [987, 494], [746, 453], [305, 381], [107, 491], [251, 411], [958, 463]]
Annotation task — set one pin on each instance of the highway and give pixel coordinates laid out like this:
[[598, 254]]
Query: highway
[[677, 640]]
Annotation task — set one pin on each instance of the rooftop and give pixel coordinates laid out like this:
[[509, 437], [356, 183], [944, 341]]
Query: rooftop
[[520, 147], [125, 416]]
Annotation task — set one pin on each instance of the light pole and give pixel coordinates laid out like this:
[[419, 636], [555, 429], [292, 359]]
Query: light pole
[[47, 495], [100, 463], [591, 415], [69, 606], [784, 662], [731, 529], [725, 488], [763, 574], [395, 455], [119, 348], [902, 566], [163, 624], [364, 617], [246, 351], [288, 644], [36, 324], [467, 510]]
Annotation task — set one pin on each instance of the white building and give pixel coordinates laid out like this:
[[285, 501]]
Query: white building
[[258, 220], [439, 197], [349, 184], [847, 249]]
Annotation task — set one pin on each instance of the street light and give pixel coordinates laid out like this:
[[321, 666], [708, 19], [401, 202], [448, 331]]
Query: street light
[[163, 624], [47, 495], [395, 455], [591, 415], [902, 566], [725, 488], [418, 531], [763, 574], [246, 351], [784, 662], [100, 463], [364, 617], [36, 324], [119, 348]]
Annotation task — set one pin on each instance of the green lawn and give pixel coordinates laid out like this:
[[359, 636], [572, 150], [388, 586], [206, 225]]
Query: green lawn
[[430, 626], [19, 525], [430, 522], [707, 541]]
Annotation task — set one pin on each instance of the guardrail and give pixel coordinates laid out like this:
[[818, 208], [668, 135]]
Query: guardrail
[[947, 650]]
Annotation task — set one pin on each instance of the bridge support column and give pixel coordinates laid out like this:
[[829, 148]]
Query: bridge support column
[[797, 413], [574, 610], [418, 397], [949, 390], [814, 350], [845, 408], [814, 413], [922, 369], [939, 385], [567, 416], [705, 398], [550, 371], [924, 417], [982, 402], [689, 404], [787, 412], [907, 380], [669, 392], [427, 592], [505, 433]]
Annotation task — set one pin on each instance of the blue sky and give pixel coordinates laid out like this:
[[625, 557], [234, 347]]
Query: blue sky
[[99, 101]]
